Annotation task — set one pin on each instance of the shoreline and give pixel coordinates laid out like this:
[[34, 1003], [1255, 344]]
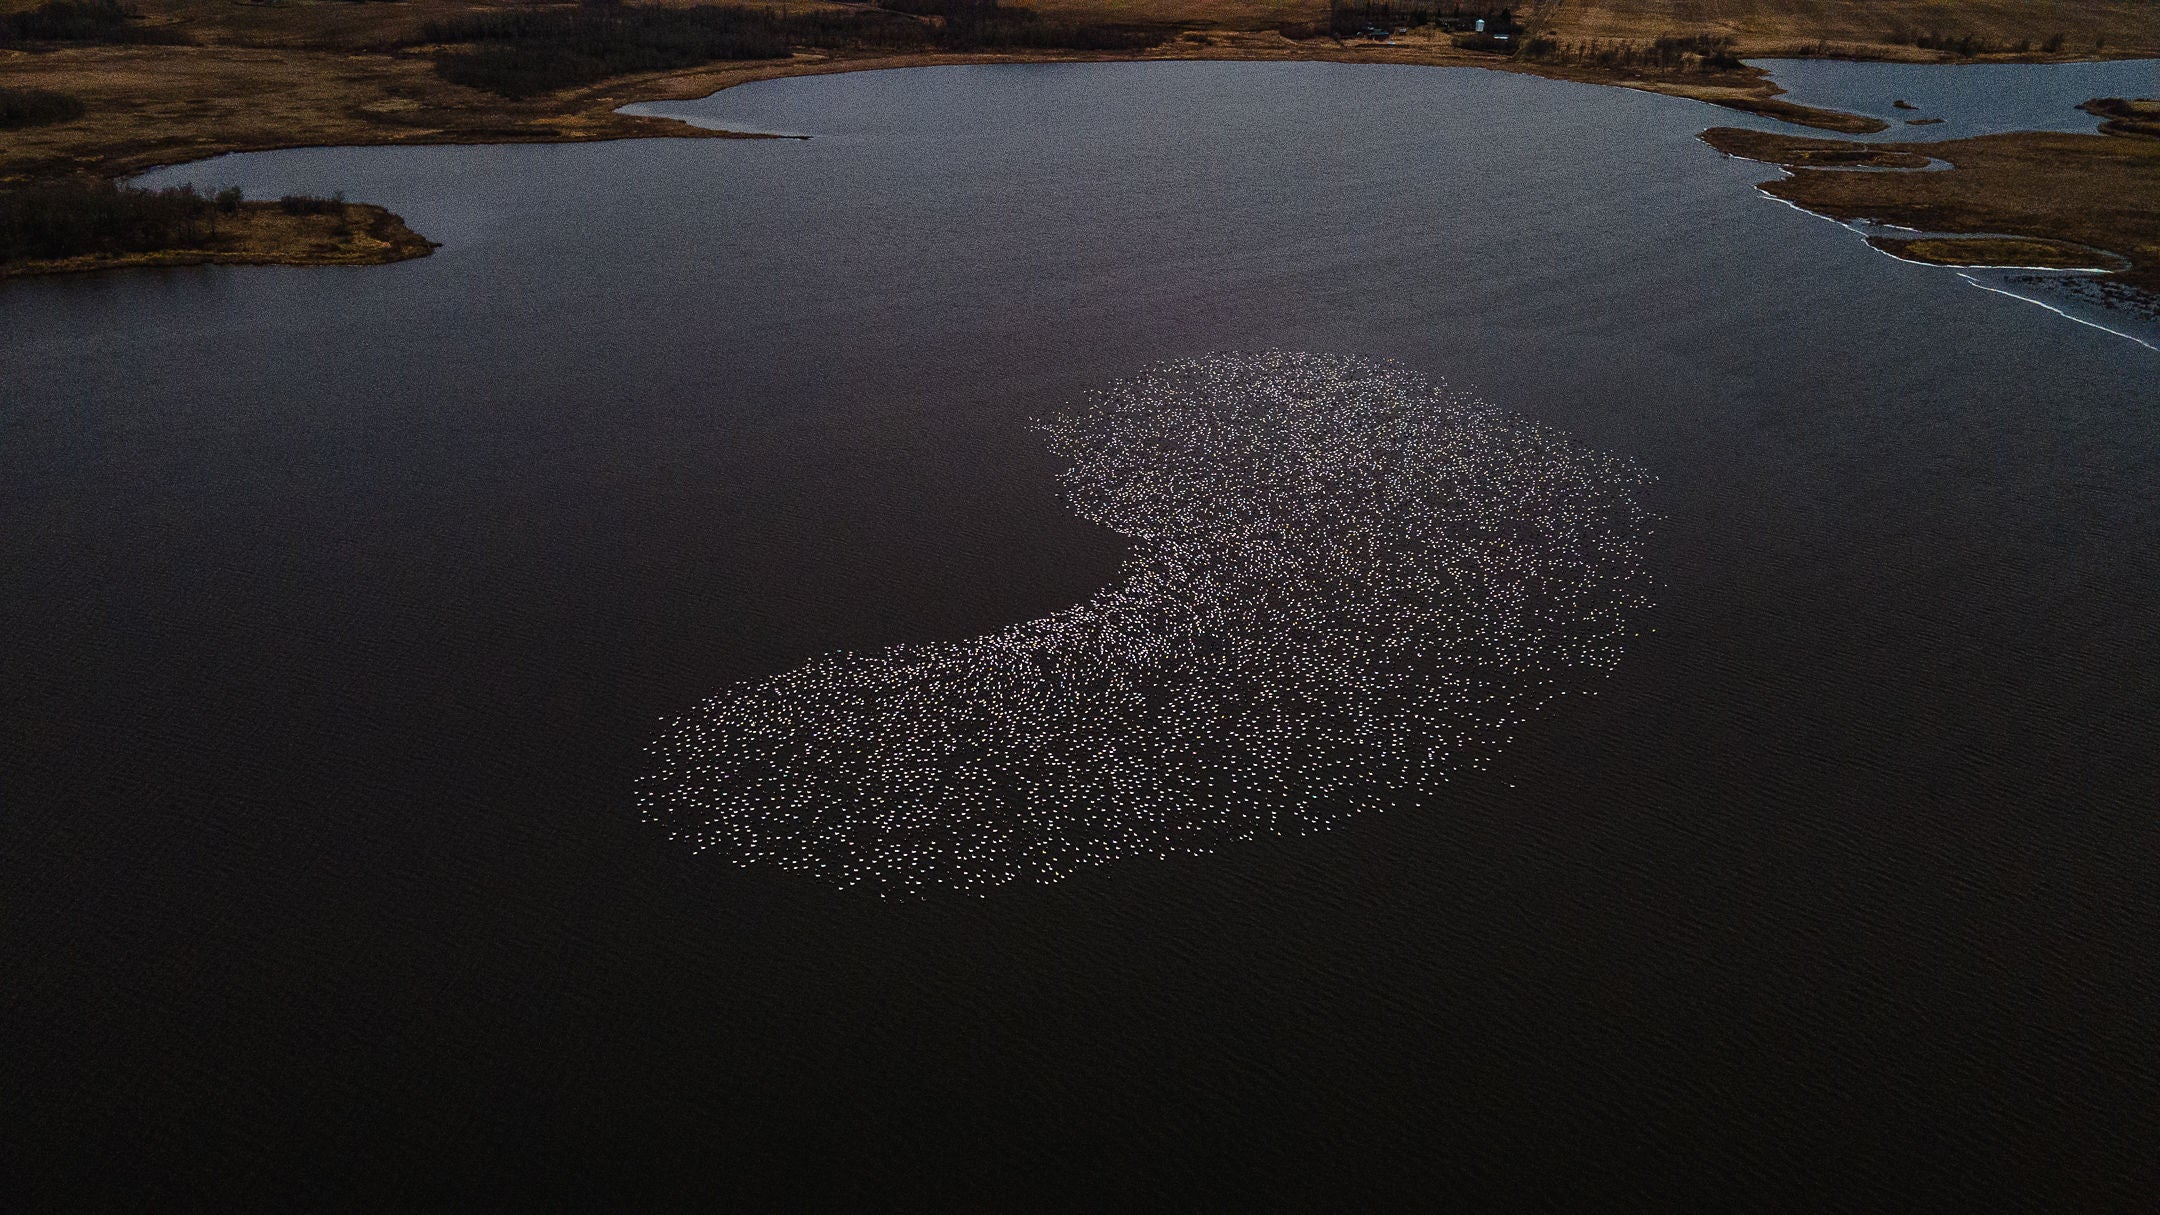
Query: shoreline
[[2036, 195], [594, 114], [421, 111]]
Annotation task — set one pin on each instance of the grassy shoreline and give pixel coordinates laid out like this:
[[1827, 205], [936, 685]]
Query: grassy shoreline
[[1991, 252], [2057, 194], [202, 79], [355, 75], [263, 234]]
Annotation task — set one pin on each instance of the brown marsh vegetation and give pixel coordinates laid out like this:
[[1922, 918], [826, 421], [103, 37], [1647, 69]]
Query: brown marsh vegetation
[[2056, 187], [2125, 116], [2023, 252]]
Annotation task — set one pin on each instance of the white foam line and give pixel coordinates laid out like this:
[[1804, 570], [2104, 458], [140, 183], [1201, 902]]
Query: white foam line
[[1803, 210], [1969, 278], [2059, 312], [1866, 239]]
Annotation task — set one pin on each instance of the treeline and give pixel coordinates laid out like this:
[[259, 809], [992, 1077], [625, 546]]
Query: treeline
[[523, 52], [305, 204], [83, 21], [963, 25], [77, 217], [1698, 53], [1966, 46], [73, 218], [526, 52], [36, 107]]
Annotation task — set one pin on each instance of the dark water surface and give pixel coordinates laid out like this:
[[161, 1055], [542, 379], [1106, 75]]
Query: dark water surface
[[340, 604]]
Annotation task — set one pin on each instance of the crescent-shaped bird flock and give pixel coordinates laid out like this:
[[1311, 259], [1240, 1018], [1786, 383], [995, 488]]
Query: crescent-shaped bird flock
[[1348, 585]]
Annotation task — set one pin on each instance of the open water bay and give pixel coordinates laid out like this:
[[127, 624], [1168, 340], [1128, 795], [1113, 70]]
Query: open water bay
[[341, 608]]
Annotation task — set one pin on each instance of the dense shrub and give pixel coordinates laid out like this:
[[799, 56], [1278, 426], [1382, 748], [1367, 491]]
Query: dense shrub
[[1350, 18], [1964, 45], [83, 21], [522, 53], [984, 24], [71, 218], [308, 204], [946, 10], [36, 107], [1706, 52], [1967, 46]]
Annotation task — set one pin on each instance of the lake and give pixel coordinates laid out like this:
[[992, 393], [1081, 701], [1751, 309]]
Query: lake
[[342, 606]]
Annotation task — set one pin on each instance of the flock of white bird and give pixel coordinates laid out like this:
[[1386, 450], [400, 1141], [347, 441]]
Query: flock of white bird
[[1348, 584]]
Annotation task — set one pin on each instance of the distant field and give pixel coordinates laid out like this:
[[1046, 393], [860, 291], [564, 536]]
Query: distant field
[[1889, 29], [1905, 29]]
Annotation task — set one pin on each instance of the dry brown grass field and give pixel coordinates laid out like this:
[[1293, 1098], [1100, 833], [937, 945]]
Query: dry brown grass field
[[147, 106], [1883, 30]]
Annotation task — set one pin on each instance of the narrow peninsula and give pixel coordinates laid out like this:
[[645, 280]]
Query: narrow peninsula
[[100, 227], [2026, 198]]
